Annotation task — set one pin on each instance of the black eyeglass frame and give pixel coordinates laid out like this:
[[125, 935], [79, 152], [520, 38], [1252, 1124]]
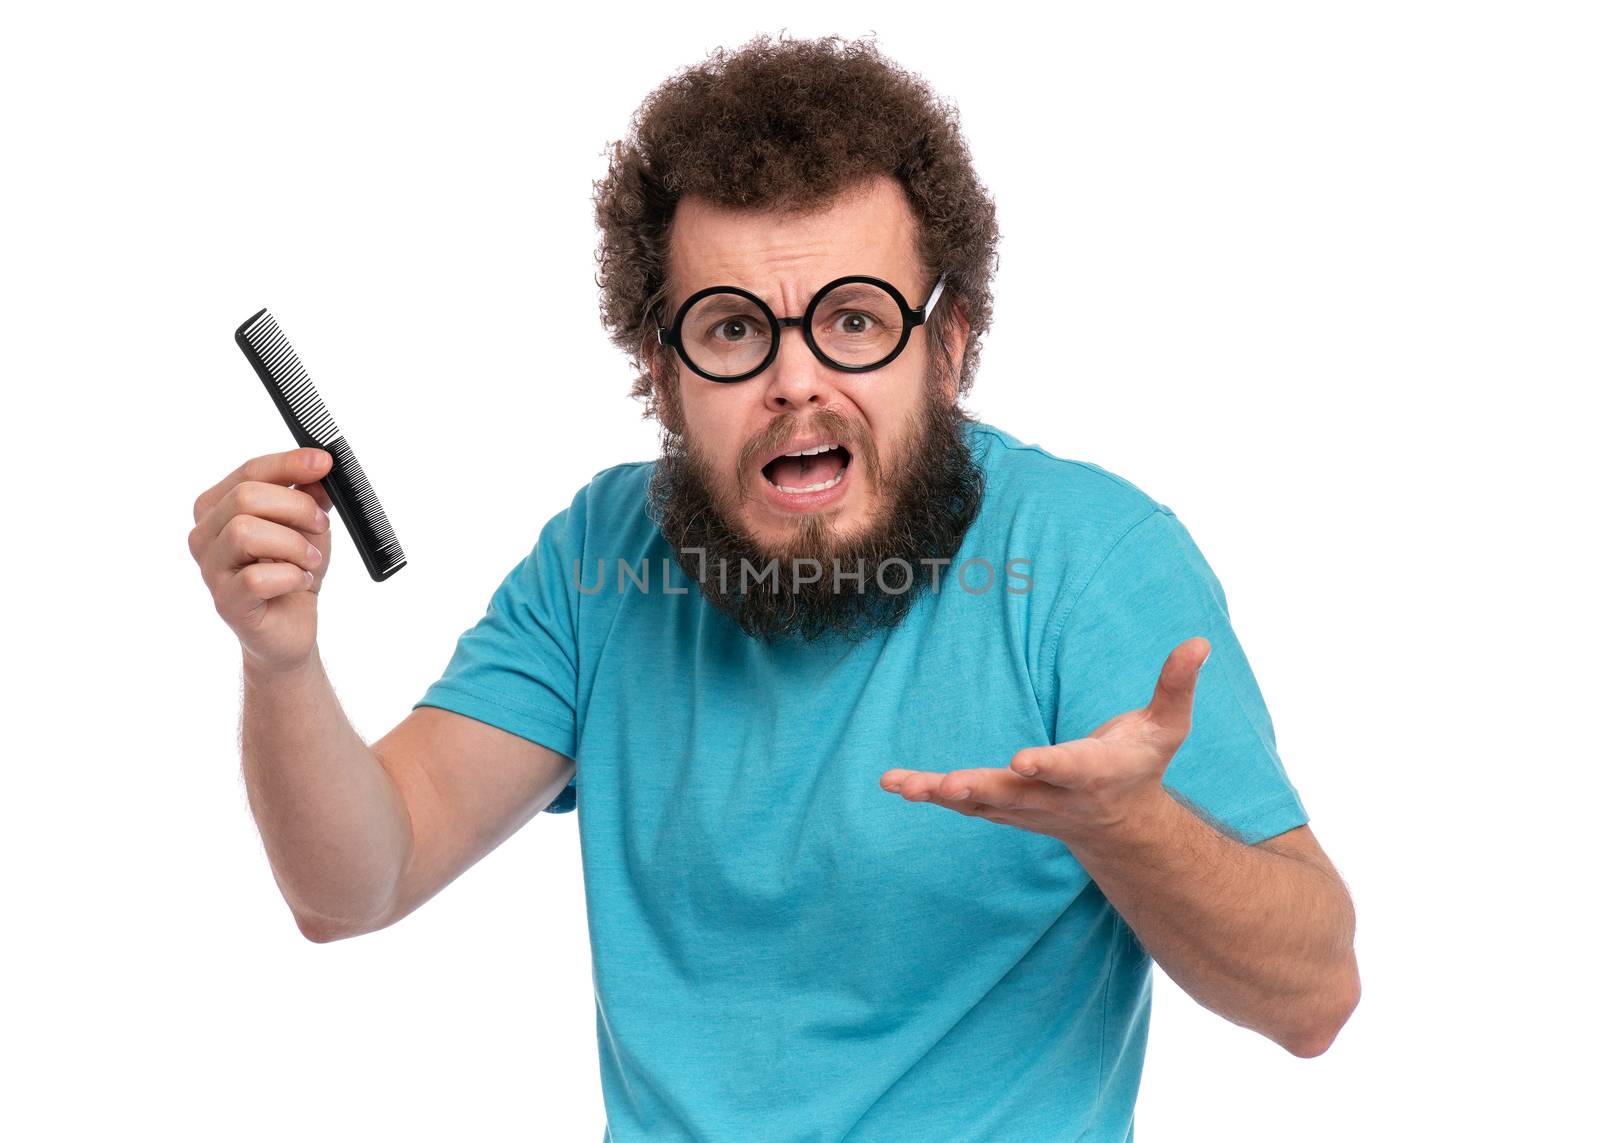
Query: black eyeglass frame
[[909, 318]]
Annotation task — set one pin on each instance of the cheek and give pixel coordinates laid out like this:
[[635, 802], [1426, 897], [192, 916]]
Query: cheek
[[720, 423], [887, 414]]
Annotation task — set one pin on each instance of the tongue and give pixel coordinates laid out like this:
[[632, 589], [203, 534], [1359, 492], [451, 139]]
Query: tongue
[[801, 471]]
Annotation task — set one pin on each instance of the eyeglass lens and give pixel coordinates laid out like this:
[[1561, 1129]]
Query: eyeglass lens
[[854, 324]]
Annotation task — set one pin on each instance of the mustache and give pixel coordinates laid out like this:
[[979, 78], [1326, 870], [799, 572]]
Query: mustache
[[787, 429], [930, 499]]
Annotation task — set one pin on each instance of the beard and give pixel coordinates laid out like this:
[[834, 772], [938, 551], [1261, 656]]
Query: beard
[[924, 509]]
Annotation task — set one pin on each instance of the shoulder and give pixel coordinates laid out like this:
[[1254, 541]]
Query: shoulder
[[618, 489], [1066, 518], [1073, 510], [608, 512], [1055, 520]]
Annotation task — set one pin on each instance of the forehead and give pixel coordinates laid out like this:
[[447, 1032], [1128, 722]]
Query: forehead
[[785, 256]]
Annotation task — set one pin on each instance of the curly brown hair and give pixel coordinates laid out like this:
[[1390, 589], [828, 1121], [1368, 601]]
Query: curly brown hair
[[788, 125]]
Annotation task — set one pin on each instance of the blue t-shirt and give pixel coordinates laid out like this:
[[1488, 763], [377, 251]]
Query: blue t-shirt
[[782, 950]]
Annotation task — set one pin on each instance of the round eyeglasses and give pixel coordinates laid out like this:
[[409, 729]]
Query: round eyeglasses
[[856, 323]]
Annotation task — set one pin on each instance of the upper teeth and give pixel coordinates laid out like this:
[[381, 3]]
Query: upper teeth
[[812, 451]]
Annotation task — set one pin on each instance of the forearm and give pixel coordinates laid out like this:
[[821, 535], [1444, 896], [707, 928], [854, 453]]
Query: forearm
[[335, 827], [1261, 938]]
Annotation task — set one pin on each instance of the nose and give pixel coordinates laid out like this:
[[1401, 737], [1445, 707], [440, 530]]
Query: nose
[[796, 380]]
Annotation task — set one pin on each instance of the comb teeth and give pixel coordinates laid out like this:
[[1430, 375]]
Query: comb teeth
[[370, 516], [275, 360], [283, 366]]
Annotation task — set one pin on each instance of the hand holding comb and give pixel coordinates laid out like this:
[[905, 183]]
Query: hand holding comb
[[269, 351]]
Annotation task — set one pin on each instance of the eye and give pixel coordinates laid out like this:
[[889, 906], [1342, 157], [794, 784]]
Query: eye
[[855, 322], [732, 329]]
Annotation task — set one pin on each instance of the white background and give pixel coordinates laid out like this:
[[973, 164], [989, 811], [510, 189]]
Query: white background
[[1322, 278]]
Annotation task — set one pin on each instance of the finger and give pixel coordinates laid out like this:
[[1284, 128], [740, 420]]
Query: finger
[[995, 795], [251, 586], [993, 787], [896, 781], [968, 807], [291, 507], [244, 540], [1173, 702], [1066, 765], [912, 785], [280, 468], [988, 786]]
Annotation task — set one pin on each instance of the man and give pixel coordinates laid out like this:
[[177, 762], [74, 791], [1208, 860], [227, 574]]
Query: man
[[834, 597]]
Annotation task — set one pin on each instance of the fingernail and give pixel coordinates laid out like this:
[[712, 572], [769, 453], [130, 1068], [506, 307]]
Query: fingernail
[[960, 795], [313, 458], [1027, 771], [313, 553], [322, 519]]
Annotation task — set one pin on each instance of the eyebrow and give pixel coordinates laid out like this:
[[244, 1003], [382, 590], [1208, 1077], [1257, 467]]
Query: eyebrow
[[722, 304], [729, 303], [854, 291]]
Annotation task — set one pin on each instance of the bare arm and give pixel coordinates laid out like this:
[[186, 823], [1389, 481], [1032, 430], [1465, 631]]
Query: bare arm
[[356, 836], [335, 826], [469, 786], [360, 836], [1262, 935]]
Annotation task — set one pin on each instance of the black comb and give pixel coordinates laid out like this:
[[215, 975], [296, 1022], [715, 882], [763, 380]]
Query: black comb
[[309, 420]]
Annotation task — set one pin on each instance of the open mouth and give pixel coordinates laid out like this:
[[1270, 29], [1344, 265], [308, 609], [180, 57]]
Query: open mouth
[[812, 470]]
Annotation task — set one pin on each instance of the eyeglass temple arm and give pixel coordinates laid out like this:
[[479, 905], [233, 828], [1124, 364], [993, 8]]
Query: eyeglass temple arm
[[933, 298], [922, 314]]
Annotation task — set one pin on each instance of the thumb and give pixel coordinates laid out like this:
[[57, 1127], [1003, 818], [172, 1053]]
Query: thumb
[[1172, 705]]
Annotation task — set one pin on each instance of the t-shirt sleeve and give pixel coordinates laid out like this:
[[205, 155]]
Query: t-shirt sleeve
[[517, 669], [1152, 591]]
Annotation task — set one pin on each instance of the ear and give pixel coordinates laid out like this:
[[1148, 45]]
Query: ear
[[664, 387], [955, 347]]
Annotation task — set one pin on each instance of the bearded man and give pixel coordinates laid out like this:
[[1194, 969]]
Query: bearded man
[[897, 765]]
